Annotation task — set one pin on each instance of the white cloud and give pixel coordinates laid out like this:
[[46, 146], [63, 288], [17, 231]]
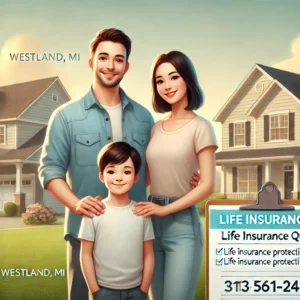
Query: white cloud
[[291, 64]]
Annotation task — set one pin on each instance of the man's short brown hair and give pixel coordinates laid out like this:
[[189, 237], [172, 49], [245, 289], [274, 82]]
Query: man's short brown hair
[[113, 35]]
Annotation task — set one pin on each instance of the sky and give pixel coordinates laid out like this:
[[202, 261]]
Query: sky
[[223, 38]]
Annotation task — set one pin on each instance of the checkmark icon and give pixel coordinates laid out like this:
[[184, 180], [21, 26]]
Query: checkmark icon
[[219, 262], [219, 251]]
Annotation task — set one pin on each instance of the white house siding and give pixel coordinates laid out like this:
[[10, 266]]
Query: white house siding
[[10, 135], [52, 202], [237, 111], [36, 156], [278, 101], [41, 109], [26, 131]]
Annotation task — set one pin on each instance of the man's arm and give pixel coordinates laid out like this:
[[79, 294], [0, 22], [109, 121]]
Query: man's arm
[[87, 265], [53, 167], [148, 260]]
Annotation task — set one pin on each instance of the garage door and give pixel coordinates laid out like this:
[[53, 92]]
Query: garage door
[[8, 189]]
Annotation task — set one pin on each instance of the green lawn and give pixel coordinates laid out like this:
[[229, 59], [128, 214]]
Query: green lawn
[[33, 248], [41, 248]]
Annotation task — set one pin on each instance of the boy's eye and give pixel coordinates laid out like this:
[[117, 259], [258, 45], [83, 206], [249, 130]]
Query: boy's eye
[[102, 58], [110, 172], [127, 172], [119, 60]]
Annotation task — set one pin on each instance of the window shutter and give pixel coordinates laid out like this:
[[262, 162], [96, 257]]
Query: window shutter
[[248, 133], [234, 179], [230, 134], [266, 128], [291, 126], [259, 177]]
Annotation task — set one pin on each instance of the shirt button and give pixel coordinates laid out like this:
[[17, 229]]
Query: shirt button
[[87, 142], [106, 119], [109, 138]]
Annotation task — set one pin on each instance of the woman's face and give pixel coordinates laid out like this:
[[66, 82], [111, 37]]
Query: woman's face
[[170, 85]]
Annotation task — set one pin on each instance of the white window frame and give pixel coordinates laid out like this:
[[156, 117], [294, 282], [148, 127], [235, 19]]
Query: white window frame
[[235, 123], [288, 125], [4, 135], [248, 182], [288, 167], [54, 96]]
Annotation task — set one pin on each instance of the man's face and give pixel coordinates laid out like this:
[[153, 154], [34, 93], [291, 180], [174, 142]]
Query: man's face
[[109, 63], [119, 178]]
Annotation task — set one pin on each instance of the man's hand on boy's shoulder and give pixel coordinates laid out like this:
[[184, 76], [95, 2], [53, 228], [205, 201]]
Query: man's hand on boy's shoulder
[[89, 205]]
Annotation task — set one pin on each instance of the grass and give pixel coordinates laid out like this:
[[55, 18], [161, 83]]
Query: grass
[[43, 248], [33, 248]]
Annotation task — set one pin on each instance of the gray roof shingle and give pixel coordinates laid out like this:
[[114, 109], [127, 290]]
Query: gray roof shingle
[[15, 98]]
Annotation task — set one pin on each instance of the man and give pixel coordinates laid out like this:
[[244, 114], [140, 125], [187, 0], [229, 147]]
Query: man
[[76, 133]]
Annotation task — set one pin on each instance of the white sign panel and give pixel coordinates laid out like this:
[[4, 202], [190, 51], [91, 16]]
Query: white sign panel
[[253, 254]]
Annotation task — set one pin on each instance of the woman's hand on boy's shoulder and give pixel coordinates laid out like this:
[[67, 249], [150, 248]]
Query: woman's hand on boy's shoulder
[[90, 206], [147, 209]]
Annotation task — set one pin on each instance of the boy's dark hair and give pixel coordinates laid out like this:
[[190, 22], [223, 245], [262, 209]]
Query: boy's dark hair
[[186, 70], [113, 35], [118, 153]]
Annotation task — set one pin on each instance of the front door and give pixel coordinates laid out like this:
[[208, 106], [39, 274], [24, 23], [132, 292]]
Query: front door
[[288, 184]]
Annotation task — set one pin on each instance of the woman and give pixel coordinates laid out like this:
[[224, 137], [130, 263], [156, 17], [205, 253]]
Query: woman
[[180, 144]]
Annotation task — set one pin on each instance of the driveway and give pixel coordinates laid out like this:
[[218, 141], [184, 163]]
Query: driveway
[[16, 222]]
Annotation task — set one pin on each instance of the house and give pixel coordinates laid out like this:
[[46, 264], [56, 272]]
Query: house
[[261, 134], [25, 109]]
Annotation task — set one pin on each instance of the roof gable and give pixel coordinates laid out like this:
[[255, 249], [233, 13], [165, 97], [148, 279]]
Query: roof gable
[[15, 98], [286, 80], [291, 81]]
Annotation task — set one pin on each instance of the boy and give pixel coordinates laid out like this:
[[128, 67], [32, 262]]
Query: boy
[[116, 247]]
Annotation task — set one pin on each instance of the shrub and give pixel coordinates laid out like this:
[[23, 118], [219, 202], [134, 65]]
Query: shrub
[[37, 214], [201, 205], [10, 209]]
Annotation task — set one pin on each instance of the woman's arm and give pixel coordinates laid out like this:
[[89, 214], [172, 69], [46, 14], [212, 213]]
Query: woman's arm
[[148, 258], [207, 166], [87, 265]]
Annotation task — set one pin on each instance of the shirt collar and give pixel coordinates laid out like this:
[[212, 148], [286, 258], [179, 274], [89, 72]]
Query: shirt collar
[[91, 101]]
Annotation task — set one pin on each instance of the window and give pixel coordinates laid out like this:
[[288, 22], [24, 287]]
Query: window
[[247, 180], [259, 87], [279, 127], [239, 134], [26, 182], [54, 98], [2, 134]]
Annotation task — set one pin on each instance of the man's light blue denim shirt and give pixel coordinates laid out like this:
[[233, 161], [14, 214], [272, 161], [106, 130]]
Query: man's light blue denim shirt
[[76, 133]]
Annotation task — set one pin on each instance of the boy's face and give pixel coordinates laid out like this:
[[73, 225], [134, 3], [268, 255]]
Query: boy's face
[[109, 63], [120, 178]]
